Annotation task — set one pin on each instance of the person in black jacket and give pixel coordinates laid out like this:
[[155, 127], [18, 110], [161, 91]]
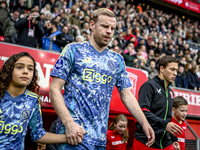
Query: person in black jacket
[[181, 79], [29, 29], [193, 80], [156, 102], [64, 38]]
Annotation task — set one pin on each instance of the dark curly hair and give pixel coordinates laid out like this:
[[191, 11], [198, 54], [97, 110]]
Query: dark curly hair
[[6, 74]]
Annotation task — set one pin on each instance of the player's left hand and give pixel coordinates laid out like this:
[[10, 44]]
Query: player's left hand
[[149, 133], [176, 146]]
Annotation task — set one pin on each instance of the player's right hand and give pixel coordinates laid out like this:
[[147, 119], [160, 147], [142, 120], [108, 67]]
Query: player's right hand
[[174, 129], [74, 133]]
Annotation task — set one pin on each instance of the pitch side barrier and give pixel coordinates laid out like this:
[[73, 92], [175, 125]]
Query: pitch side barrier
[[45, 61]]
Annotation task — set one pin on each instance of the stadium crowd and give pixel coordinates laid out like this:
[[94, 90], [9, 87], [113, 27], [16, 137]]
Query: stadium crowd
[[143, 34]]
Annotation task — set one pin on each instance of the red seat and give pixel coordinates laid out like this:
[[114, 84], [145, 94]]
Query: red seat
[[2, 38]]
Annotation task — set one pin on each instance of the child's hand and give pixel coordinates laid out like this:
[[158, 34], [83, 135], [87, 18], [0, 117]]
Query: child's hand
[[81, 134], [176, 146], [74, 133]]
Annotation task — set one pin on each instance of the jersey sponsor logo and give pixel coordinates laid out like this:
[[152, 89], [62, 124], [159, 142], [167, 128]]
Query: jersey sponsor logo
[[91, 75], [59, 64], [7, 128], [159, 91], [112, 137], [25, 113], [111, 65], [117, 142], [181, 139], [87, 60]]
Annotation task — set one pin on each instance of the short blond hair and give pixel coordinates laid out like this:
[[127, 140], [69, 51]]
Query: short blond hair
[[102, 11]]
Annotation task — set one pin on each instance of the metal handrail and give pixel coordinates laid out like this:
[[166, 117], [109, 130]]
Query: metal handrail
[[192, 43], [196, 136]]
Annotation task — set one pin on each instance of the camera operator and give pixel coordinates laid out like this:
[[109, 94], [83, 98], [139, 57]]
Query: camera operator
[[29, 29]]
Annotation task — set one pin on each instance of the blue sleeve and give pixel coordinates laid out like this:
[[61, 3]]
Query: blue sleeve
[[64, 64], [36, 124], [123, 81]]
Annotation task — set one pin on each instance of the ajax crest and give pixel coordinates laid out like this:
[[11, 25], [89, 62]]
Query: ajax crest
[[25, 113]]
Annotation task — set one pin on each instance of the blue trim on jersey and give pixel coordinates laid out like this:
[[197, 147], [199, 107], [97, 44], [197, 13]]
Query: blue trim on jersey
[[14, 99], [97, 52]]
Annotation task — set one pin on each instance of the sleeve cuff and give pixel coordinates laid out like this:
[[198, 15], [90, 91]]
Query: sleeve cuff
[[164, 124]]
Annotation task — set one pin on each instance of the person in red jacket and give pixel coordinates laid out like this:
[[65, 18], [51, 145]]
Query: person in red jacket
[[180, 108], [130, 37], [117, 134]]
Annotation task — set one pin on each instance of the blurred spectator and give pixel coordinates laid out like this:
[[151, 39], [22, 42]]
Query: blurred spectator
[[131, 45], [53, 5], [159, 49], [47, 18], [196, 38], [8, 25], [57, 20], [153, 71], [39, 3], [151, 54], [20, 6], [79, 38], [144, 52], [63, 19], [46, 10], [73, 30], [74, 20], [49, 41], [84, 35], [86, 28], [64, 38], [179, 55], [121, 41], [181, 79], [187, 67], [56, 12], [70, 3], [68, 14], [193, 80], [129, 57], [129, 35], [59, 4], [25, 14], [3, 12], [29, 29], [42, 19], [117, 49]]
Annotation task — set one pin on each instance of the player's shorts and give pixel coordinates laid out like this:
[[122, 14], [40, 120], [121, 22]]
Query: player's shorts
[[137, 145], [81, 146]]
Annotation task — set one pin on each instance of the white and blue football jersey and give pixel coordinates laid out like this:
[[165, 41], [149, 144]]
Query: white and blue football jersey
[[16, 114], [90, 78]]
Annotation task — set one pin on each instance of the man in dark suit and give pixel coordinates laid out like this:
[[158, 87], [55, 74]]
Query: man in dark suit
[[64, 38], [121, 41]]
